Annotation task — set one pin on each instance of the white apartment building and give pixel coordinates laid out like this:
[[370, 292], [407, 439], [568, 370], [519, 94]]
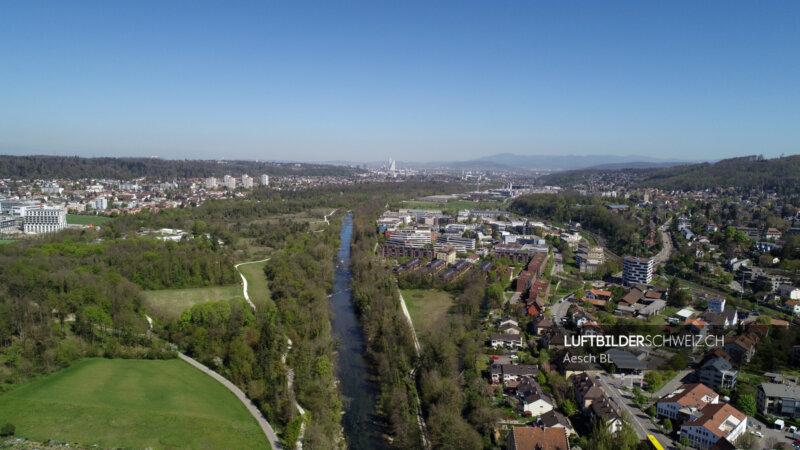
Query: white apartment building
[[100, 204], [415, 238], [211, 183], [230, 182], [265, 180], [247, 181], [44, 220], [460, 244], [688, 396], [637, 270]]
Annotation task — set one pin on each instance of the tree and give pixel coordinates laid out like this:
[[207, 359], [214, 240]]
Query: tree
[[654, 380], [668, 426], [676, 296], [746, 403], [8, 429]]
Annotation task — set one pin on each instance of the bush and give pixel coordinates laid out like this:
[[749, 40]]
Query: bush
[[8, 429]]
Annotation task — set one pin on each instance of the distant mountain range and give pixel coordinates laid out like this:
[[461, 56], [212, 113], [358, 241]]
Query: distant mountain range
[[536, 163]]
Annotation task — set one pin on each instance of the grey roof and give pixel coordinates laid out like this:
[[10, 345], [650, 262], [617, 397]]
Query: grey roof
[[624, 359], [553, 418], [780, 390], [719, 364]]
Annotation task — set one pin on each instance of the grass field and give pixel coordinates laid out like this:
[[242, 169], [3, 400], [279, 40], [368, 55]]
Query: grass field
[[257, 287], [427, 307], [131, 403], [6, 241], [75, 219], [172, 302], [450, 206]]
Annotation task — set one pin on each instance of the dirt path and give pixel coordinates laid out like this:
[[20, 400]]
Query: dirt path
[[423, 430], [244, 281]]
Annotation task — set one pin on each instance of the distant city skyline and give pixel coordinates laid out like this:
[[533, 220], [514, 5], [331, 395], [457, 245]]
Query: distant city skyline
[[420, 81]]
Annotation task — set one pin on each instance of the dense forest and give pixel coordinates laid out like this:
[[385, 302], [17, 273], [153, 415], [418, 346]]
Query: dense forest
[[751, 172], [74, 167], [620, 229]]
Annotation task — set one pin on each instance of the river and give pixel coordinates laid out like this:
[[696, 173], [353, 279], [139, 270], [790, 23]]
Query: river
[[360, 421]]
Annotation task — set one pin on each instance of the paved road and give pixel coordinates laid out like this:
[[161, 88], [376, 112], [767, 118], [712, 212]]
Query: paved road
[[559, 310], [641, 422], [262, 422]]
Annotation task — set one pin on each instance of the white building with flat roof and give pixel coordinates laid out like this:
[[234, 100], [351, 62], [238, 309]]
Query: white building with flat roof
[[637, 270], [211, 183], [44, 220], [265, 180], [230, 182], [247, 181]]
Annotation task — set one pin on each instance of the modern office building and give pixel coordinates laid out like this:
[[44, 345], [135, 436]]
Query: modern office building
[[637, 270], [44, 220]]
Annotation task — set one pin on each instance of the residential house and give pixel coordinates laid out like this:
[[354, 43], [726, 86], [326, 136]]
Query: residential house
[[718, 373], [716, 304], [721, 321], [778, 399], [586, 389], [793, 306], [607, 411], [503, 373], [712, 423], [787, 290], [741, 348], [686, 397], [535, 438], [541, 324], [505, 340], [554, 419], [771, 233], [533, 402]]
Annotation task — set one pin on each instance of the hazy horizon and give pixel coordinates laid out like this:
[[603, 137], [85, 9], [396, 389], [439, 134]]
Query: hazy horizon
[[417, 81]]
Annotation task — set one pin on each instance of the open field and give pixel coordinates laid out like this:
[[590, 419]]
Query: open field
[[427, 307], [257, 287], [6, 241], [75, 219], [172, 302], [131, 403], [451, 206]]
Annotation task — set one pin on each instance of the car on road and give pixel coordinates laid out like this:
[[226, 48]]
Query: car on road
[[757, 433]]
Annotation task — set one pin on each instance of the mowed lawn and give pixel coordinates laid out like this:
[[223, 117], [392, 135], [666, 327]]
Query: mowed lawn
[[172, 302], [76, 219], [131, 403], [427, 307], [257, 287]]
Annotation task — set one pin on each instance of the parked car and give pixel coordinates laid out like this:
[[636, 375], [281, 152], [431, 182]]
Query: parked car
[[757, 433], [514, 357]]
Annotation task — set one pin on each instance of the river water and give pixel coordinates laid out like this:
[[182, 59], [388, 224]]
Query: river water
[[360, 421]]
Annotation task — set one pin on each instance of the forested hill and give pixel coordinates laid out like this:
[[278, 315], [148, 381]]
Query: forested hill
[[781, 174], [32, 167]]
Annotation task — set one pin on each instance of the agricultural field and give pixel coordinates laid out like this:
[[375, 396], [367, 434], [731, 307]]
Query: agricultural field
[[131, 403], [75, 219], [427, 307], [169, 303], [257, 287]]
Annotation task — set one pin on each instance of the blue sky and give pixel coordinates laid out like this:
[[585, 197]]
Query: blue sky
[[359, 81]]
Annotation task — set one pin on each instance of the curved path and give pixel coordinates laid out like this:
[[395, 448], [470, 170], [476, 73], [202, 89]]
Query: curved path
[[423, 430], [274, 442], [262, 422], [244, 280]]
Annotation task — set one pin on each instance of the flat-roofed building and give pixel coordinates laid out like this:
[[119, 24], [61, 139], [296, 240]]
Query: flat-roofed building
[[637, 270], [44, 220], [778, 399]]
